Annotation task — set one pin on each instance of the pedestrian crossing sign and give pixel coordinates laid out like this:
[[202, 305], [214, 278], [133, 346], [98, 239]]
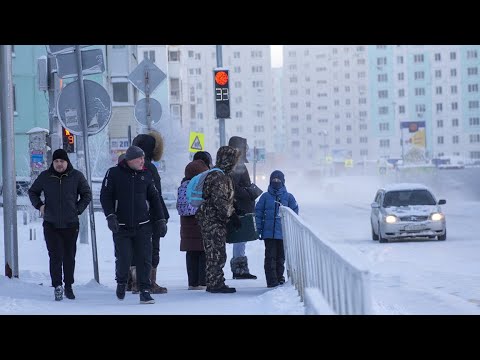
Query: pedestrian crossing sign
[[196, 142]]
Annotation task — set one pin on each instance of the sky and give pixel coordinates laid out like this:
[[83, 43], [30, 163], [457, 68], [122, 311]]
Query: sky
[[406, 277], [277, 55]]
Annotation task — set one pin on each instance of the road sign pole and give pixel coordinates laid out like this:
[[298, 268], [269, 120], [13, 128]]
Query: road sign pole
[[221, 122], [84, 120], [8, 163], [147, 100]]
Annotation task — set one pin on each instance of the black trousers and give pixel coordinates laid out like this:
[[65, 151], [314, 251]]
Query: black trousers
[[274, 261], [196, 266], [62, 248], [137, 241], [155, 252]]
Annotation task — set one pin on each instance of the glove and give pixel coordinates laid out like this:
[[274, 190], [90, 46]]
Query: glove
[[237, 224], [160, 228], [113, 223]]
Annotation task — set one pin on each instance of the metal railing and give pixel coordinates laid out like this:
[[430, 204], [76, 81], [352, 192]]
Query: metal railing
[[317, 269]]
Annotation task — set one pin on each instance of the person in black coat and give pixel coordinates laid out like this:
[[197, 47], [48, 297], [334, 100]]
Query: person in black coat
[[244, 204], [152, 146], [131, 204], [67, 194]]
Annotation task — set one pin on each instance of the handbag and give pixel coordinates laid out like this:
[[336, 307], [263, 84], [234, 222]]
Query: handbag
[[248, 231], [254, 191]]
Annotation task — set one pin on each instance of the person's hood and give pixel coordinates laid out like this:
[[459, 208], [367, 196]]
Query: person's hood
[[227, 157], [239, 143], [194, 168], [151, 144]]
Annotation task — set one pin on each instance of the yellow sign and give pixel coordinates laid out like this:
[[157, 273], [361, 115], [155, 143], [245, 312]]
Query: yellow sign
[[349, 163], [196, 142]]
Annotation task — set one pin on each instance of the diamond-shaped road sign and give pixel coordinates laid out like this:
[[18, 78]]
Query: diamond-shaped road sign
[[145, 72], [99, 107], [142, 108], [92, 63]]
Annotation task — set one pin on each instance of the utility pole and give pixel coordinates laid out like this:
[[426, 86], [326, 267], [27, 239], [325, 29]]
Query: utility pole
[[8, 163], [221, 122]]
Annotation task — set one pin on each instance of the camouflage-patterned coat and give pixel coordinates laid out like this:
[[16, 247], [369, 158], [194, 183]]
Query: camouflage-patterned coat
[[213, 214]]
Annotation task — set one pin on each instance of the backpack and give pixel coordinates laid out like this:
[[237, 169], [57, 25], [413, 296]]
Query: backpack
[[195, 188], [183, 207]]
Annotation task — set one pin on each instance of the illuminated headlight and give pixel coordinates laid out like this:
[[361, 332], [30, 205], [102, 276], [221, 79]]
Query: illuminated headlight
[[390, 219], [436, 216]]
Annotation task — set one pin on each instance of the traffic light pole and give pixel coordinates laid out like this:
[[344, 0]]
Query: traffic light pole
[[221, 122], [84, 120]]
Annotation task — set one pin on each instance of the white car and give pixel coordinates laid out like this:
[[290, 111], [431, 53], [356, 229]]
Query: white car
[[406, 210]]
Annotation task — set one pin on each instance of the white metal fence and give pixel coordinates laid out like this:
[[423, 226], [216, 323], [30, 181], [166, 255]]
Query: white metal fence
[[329, 281]]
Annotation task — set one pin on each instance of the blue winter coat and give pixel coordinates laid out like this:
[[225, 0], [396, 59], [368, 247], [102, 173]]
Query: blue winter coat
[[267, 215]]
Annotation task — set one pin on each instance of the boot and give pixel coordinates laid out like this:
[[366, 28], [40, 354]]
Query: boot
[[240, 269], [156, 289], [133, 271]]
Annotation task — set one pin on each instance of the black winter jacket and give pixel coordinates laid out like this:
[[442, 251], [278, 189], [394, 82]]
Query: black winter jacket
[[61, 192], [131, 195]]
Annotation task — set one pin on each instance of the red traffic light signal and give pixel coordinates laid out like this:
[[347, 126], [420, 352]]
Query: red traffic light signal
[[222, 94]]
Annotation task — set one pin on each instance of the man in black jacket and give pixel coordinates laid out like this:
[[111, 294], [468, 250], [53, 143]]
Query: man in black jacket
[[244, 204], [61, 185], [152, 146], [132, 206]]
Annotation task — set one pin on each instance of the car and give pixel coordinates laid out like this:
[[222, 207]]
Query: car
[[170, 199], [407, 210]]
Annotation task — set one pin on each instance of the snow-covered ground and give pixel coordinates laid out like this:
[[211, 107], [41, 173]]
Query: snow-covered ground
[[407, 277]]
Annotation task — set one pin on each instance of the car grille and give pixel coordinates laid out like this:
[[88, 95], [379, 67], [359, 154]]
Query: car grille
[[413, 218]]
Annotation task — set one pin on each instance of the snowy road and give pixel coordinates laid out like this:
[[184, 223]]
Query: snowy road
[[407, 277]]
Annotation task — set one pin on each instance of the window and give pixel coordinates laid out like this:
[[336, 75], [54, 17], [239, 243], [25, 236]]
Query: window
[[473, 104], [401, 92], [472, 71], [455, 139], [474, 138], [438, 57], [384, 126], [439, 123], [439, 107], [174, 56], [473, 88], [150, 55], [401, 109], [438, 90], [474, 121], [418, 58], [438, 73], [382, 77], [399, 59], [120, 92], [419, 75], [383, 94], [474, 154], [363, 152], [454, 122], [118, 46], [238, 114], [453, 55], [384, 143], [238, 84], [383, 110], [236, 54], [453, 72], [14, 99], [453, 89], [419, 91], [471, 54], [401, 76], [454, 106]]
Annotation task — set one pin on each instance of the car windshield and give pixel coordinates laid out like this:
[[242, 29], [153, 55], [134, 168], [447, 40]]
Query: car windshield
[[408, 197]]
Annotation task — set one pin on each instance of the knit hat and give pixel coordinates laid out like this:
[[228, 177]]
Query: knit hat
[[60, 154], [133, 152], [204, 156]]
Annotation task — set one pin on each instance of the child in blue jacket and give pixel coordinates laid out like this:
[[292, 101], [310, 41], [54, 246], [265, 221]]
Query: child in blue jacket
[[269, 226]]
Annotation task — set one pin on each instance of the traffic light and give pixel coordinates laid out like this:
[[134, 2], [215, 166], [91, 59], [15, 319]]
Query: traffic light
[[68, 141], [222, 94]]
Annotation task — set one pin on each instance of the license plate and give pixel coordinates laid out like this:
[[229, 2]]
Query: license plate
[[415, 227]]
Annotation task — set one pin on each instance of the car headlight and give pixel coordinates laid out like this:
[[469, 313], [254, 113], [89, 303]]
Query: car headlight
[[390, 219], [436, 216]]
